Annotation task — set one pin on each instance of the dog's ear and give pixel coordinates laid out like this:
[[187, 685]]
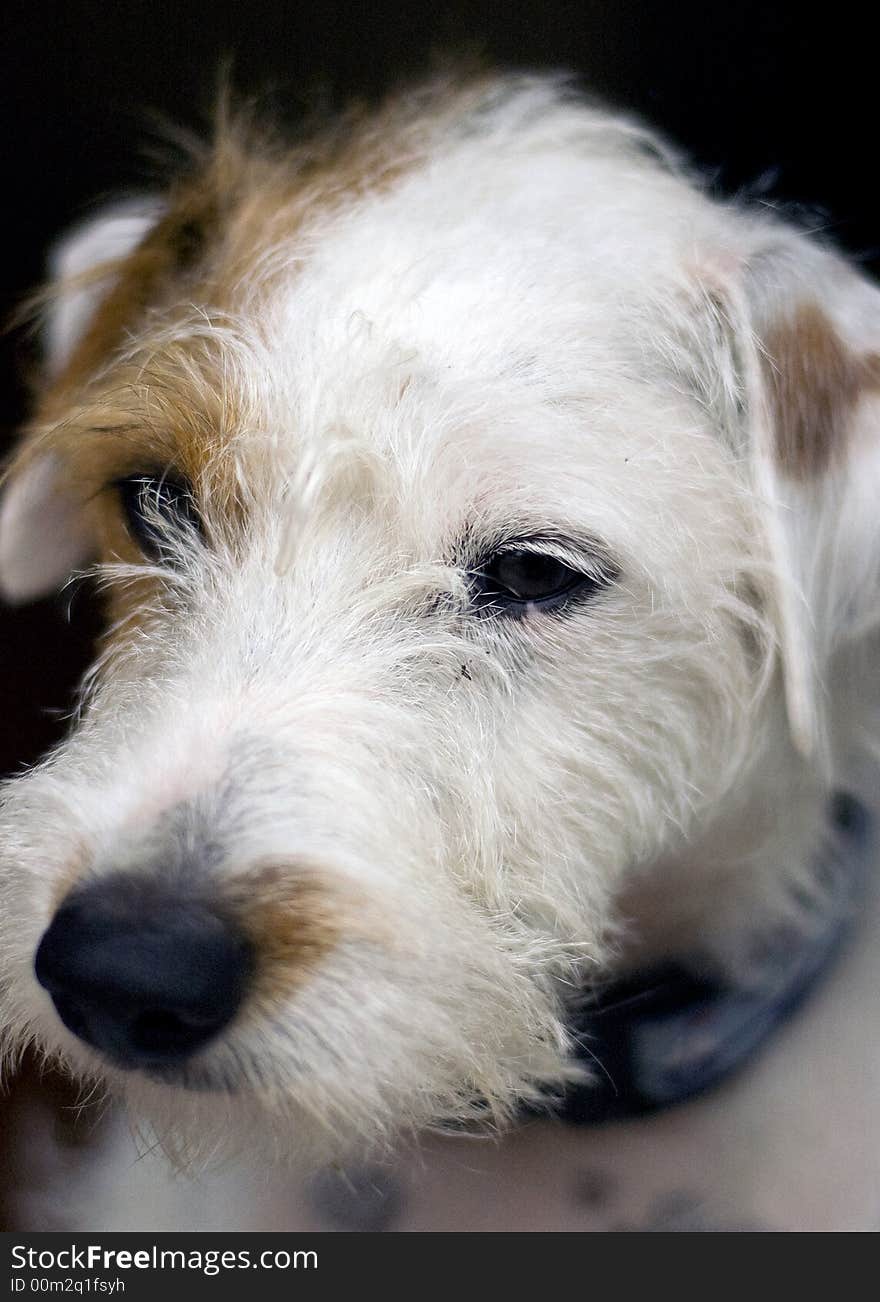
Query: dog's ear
[[806, 331], [43, 534], [81, 271]]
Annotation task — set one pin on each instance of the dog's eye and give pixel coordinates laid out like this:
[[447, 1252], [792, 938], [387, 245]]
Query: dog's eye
[[515, 578], [158, 511]]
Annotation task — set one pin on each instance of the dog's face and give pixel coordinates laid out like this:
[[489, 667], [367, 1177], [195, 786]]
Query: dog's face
[[444, 597]]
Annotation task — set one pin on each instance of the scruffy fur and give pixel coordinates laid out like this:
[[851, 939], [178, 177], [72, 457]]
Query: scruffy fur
[[491, 311]]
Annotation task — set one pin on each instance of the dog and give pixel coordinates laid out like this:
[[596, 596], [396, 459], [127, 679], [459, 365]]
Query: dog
[[487, 521]]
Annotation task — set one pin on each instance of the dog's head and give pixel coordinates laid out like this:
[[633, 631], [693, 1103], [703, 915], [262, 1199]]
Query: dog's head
[[457, 485]]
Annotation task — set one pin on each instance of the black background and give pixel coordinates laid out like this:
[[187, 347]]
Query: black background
[[769, 97]]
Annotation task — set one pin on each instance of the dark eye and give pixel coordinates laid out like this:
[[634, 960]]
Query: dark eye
[[515, 578], [159, 511]]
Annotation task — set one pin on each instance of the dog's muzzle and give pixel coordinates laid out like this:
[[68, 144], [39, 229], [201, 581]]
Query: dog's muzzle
[[147, 973], [141, 973]]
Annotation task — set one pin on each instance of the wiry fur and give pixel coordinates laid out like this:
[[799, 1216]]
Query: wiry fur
[[492, 312]]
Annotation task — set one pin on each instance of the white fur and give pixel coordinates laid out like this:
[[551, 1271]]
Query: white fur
[[521, 334]]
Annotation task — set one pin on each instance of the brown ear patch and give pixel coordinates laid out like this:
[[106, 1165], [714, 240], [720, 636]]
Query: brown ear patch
[[815, 380]]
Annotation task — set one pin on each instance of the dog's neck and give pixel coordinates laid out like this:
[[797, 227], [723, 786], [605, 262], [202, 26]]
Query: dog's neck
[[760, 863], [668, 1032]]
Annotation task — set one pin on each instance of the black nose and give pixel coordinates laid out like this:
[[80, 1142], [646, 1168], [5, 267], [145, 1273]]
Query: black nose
[[140, 972]]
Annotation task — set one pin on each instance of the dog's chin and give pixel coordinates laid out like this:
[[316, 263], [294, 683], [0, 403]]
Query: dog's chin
[[98, 1072], [200, 1075]]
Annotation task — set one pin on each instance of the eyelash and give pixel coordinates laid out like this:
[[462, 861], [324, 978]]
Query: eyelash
[[529, 574], [158, 510]]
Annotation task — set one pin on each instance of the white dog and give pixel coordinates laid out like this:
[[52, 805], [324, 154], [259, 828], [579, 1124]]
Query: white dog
[[489, 526]]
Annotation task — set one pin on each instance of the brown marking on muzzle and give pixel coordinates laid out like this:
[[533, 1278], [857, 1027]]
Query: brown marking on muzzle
[[294, 915], [815, 381]]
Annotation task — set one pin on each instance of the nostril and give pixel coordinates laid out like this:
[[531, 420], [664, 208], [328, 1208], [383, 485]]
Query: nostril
[[140, 973]]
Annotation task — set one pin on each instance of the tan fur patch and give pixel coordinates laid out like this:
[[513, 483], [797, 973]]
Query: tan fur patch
[[815, 381], [171, 417], [130, 402], [294, 917], [247, 193]]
